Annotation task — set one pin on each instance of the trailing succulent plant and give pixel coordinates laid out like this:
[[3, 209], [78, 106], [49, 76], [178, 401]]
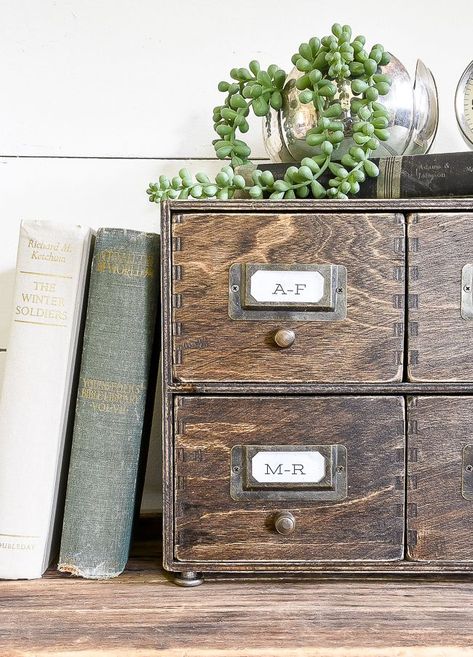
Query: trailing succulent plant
[[326, 66]]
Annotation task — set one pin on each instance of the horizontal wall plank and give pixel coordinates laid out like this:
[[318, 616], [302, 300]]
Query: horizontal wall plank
[[95, 192], [140, 78]]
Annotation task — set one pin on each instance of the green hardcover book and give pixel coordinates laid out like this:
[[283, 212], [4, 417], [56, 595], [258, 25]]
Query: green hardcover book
[[111, 399]]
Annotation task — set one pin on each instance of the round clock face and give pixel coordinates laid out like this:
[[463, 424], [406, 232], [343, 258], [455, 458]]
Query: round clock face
[[464, 103]]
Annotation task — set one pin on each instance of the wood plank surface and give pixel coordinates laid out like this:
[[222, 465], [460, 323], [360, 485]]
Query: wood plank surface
[[366, 346], [142, 614]]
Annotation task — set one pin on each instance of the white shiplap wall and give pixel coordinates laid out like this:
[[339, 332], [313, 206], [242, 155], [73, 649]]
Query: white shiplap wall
[[97, 97]]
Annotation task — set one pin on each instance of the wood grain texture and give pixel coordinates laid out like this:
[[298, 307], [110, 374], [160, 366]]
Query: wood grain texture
[[366, 526], [440, 520], [211, 487], [440, 340], [402, 388], [366, 346], [356, 205], [141, 614]]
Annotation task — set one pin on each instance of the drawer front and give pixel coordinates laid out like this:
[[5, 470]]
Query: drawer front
[[440, 322], [236, 284], [440, 479], [239, 495]]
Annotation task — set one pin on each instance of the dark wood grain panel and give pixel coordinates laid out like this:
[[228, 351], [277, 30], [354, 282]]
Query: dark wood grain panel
[[440, 341], [366, 526], [439, 519], [208, 346]]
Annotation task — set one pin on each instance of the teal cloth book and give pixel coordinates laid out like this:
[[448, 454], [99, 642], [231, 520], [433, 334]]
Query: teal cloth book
[[111, 399]]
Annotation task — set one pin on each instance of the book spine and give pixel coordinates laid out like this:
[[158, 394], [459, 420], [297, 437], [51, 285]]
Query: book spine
[[412, 176], [111, 399], [49, 288]]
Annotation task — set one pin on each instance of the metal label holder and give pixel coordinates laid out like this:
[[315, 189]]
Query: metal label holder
[[467, 472], [467, 292], [331, 488], [330, 307]]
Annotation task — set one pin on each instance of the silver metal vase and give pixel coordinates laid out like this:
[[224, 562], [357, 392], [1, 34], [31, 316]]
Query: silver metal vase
[[413, 118]]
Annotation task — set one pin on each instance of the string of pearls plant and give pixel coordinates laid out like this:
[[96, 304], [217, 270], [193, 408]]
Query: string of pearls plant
[[325, 64]]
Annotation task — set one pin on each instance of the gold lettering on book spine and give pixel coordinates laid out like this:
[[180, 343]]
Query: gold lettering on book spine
[[40, 303], [132, 264], [49, 251], [110, 396]]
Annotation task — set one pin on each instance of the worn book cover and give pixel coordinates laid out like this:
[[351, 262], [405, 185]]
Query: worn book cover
[[412, 176], [111, 400], [35, 403]]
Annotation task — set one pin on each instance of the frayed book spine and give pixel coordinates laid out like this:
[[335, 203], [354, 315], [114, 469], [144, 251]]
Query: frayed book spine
[[113, 383]]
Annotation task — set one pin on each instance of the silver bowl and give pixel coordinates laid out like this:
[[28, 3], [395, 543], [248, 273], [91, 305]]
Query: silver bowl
[[413, 117]]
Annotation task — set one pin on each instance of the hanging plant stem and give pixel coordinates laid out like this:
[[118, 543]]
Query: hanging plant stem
[[325, 66]]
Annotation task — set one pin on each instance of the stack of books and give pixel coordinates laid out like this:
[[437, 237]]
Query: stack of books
[[77, 397]]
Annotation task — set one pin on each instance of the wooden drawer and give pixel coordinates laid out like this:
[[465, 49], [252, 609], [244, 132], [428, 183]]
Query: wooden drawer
[[440, 336], [440, 481], [221, 517], [366, 345]]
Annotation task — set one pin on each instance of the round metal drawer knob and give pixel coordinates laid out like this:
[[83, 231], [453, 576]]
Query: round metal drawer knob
[[284, 338], [284, 523]]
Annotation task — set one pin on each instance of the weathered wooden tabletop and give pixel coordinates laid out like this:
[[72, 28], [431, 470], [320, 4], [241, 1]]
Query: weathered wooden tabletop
[[142, 614]]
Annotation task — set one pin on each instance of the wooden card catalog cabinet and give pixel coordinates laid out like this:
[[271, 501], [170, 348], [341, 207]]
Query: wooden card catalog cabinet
[[318, 387]]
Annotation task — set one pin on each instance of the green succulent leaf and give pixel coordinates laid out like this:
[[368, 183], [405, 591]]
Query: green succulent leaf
[[371, 168], [267, 178], [260, 106], [324, 65]]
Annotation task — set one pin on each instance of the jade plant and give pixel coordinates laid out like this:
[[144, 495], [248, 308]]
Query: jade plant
[[326, 66]]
